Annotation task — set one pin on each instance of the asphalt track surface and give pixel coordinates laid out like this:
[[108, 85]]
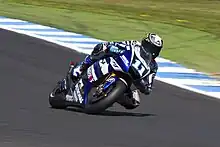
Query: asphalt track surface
[[29, 69]]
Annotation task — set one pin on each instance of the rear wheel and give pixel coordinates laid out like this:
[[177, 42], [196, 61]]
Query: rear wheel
[[57, 99], [98, 106]]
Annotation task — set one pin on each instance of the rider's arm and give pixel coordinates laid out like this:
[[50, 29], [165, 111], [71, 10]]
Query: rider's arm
[[114, 47], [152, 75], [150, 83], [104, 49], [124, 45]]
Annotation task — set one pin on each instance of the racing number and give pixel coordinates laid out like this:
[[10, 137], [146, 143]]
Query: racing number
[[139, 67]]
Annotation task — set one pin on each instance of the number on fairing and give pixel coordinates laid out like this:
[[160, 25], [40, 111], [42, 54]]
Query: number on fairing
[[139, 67]]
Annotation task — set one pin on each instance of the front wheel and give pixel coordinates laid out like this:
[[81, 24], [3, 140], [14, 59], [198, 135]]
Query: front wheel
[[99, 106]]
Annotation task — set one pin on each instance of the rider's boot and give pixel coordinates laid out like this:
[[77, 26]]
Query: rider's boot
[[71, 77], [75, 71]]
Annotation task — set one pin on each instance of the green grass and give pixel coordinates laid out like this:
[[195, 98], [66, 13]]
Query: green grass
[[190, 29]]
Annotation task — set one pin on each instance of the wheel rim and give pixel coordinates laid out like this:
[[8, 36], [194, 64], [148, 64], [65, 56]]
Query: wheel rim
[[95, 99]]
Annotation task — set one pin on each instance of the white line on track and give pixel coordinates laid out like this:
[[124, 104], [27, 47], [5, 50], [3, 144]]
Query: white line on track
[[10, 20], [53, 33], [194, 82], [75, 39], [176, 70], [211, 94], [25, 26]]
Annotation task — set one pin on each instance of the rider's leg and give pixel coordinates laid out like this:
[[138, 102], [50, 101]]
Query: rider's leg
[[130, 100], [77, 70]]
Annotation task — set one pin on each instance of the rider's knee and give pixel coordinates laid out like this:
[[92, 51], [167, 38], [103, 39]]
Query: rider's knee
[[131, 105], [129, 102]]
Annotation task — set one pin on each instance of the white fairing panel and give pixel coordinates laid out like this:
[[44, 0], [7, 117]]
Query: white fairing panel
[[77, 94]]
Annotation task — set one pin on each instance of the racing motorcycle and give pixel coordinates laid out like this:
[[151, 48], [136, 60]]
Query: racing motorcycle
[[104, 82]]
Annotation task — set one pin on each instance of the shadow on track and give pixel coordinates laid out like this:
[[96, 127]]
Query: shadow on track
[[112, 113]]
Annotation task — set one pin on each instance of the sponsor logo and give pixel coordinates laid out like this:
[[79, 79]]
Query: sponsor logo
[[111, 80]]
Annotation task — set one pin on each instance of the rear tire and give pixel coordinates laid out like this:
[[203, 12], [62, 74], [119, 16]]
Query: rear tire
[[57, 100], [108, 101]]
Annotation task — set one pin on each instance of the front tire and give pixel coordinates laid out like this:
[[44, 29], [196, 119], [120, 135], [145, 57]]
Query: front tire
[[107, 101]]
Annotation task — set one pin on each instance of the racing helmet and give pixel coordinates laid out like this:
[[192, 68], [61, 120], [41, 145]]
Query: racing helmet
[[152, 43]]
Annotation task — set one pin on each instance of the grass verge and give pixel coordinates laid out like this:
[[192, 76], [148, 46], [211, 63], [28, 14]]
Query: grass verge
[[190, 28]]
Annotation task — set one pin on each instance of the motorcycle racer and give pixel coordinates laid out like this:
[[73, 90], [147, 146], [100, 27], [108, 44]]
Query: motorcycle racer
[[151, 43]]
